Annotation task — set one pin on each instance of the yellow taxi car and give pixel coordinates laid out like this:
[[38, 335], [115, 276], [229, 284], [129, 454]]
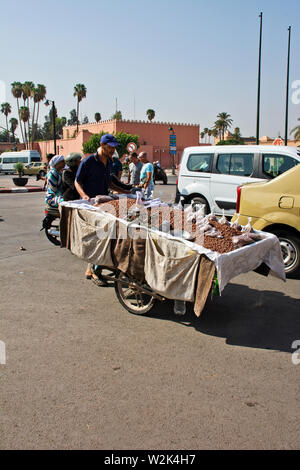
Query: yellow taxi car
[[35, 168], [274, 206]]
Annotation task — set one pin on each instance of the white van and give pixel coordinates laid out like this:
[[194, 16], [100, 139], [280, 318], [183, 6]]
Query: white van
[[9, 159], [211, 174]]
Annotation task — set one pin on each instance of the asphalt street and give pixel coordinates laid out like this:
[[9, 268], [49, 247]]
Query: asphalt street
[[83, 373]]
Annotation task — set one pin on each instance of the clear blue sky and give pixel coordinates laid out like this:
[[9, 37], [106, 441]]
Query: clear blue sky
[[188, 60]]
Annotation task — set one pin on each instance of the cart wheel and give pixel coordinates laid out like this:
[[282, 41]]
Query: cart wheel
[[131, 298]]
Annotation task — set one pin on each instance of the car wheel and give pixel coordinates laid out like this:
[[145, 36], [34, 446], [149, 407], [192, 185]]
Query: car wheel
[[200, 200], [290, 247], [42, 173]]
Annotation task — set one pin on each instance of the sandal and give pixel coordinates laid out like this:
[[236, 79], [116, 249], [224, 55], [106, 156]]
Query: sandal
[[99, 281]]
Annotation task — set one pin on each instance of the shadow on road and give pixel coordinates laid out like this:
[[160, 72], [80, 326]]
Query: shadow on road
[[245, 317]]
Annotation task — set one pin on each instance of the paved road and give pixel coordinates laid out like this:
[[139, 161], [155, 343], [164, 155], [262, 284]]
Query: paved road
[[83, 373]]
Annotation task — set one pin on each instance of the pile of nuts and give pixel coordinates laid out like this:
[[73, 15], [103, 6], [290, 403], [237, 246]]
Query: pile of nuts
[[213, 233]]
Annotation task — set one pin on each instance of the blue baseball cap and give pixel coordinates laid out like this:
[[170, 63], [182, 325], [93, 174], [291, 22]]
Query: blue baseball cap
[[109, 139]]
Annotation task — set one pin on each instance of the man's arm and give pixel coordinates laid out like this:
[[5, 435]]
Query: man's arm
[[81, 192], [118, 186], [147, 182]]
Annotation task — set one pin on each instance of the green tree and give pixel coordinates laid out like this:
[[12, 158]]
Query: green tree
[[214, 133], [13, 126], [230, 142], [3, 136], [6, 110], [296, 132], [28, 90], [80, 92], [223, 122], [59, 124], [150, 114], [97, 117], [205, 130], [117, 116], [24, 116], [38, 95], [237, 135], [73, 118], [16, 90], [123, 138], [85, 120]]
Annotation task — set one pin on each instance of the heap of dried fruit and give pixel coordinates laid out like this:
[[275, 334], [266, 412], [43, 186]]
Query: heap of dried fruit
[[212, 233]]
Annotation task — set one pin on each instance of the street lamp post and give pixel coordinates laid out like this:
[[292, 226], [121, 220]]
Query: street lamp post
[[47, 103], [173, 157], [258, 85], [287, 89]]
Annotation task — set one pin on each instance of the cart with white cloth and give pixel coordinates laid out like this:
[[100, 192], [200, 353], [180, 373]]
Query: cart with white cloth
[[148, 264]]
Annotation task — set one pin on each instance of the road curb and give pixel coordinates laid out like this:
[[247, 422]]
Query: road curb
[[20, 190]]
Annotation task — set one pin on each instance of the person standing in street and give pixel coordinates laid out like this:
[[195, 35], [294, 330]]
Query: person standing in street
[[134, 170], [146, 175], [94, 178]]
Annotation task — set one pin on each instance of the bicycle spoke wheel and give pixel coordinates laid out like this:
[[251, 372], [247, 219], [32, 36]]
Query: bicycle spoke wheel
[[131, 298]]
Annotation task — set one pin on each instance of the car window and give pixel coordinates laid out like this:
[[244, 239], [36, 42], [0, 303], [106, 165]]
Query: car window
[[276, 164], [238, 164], [35, 159], [241, 164], [223, 163], [200, 162]]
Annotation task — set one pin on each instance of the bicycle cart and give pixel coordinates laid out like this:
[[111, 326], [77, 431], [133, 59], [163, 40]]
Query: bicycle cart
[[155, 265]]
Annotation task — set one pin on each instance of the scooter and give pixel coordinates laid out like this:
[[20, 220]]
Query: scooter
[[50, 224], [159, 173]]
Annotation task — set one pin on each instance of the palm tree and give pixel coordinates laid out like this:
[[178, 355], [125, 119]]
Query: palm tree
[[209, 133], [41, 92], [202, 135], [6, 110], [24, 116], [16, 90], [27, 88], [151, 114], [214, 132], [117, 116], [224, 122], [80, 92], [97, 117], [13, 125], [296, 132], [237, 133], [205, 130]]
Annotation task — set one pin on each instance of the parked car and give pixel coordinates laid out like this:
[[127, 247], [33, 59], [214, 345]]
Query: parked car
[[211, 174], [35, 168], [275, 207], [9, 159]]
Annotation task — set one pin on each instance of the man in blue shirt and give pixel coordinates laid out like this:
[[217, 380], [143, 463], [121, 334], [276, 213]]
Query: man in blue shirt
[[93, 178]]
